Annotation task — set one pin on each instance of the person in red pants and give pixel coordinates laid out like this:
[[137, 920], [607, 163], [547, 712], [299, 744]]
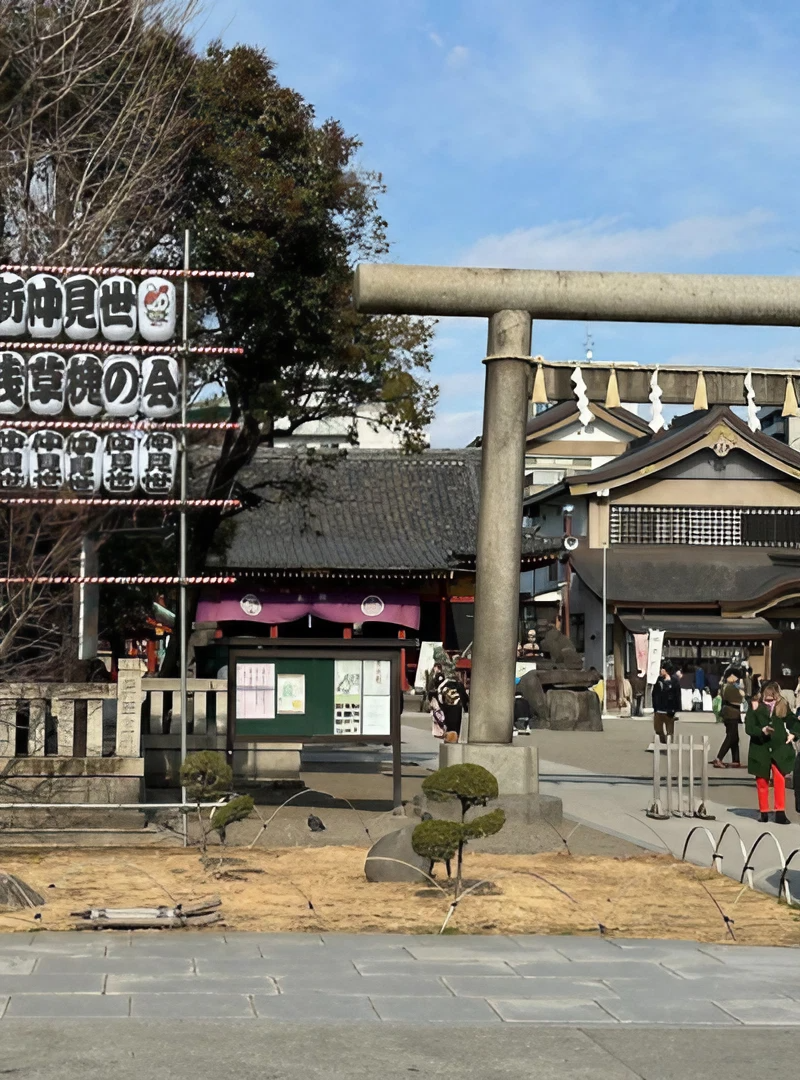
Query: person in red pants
[[772, 729]]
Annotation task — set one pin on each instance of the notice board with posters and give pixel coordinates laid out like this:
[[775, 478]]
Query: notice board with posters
[[326, 691]]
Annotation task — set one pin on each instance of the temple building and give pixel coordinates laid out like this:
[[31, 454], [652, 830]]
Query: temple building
[[695, 531], [370, 543]]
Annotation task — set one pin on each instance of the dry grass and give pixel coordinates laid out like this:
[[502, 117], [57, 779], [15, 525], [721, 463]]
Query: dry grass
[[324, 889]]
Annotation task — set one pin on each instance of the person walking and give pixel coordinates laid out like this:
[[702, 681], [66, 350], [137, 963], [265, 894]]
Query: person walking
[[773, 731], [666, 702], [638, 687], [731, 716], [451, 697]]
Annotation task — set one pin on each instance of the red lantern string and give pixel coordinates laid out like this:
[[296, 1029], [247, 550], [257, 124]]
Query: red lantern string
[[135, 579], [121, 349], [9, 423], [110, 271], [149, 503]]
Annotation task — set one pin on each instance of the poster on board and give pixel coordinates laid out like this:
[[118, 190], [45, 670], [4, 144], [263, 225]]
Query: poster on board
[[377, 715], [377, 678], [347, 697], [291, 695], [255, 691]]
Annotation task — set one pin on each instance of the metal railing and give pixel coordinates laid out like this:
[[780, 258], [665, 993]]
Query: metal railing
[[685, 787]]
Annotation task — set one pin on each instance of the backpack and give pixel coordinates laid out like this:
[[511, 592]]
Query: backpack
[[449, 694]]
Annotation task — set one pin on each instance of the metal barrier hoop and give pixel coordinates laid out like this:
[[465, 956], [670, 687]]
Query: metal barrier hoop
[[783, 885], [747, 865], [714, 853]]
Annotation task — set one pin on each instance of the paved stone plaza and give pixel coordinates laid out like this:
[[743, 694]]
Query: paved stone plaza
[[374, 978]]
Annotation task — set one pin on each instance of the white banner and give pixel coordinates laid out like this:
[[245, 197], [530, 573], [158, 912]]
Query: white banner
[[655, 646]]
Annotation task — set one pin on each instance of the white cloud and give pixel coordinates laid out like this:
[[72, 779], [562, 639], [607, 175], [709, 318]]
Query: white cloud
[[604, 244], [452, 430], [458, 56], [436, 39]]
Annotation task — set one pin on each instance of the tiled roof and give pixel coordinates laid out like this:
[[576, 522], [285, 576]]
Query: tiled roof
[[567, 411], [364, 510]]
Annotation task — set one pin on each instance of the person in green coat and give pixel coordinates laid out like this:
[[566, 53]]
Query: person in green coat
[[772, 730]]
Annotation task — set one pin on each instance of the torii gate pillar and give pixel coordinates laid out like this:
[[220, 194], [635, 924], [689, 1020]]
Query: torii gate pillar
[[505, 414]]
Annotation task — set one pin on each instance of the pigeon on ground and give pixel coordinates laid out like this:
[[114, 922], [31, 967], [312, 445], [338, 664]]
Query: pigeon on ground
[[315, 823], [427, 817]]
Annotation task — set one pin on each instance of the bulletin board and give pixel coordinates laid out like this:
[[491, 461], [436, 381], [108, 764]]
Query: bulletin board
[[326, 693]]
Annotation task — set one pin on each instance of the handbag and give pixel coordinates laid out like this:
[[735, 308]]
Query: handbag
[[439, 728], [716, 705]]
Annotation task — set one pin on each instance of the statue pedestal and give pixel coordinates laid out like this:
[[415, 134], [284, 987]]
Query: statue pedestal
[[516, 767]]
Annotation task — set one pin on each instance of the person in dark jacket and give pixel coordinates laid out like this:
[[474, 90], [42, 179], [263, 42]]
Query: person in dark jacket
[[666, 702], [638, 687], [451, 697], [731, 717], [773, 730]]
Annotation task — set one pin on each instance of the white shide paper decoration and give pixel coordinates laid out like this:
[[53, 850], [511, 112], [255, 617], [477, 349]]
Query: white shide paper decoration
[[585, 414], [656, 418]]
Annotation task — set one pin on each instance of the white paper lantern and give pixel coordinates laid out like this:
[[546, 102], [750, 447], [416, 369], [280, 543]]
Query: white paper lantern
[[121, 462], [121, 392], [47, 383], [12, 383], [160, 386], [45, 306], [14, 455], [118, 308], [81, 307], [158, 459], [157, 309], [84, 460], [47, 460], [85, 384], [13, 305]]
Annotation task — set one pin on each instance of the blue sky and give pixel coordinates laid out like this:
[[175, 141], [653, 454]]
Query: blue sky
[[582, 135]]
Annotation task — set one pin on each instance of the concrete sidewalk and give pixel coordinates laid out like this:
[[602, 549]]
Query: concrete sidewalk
[[330, 978]]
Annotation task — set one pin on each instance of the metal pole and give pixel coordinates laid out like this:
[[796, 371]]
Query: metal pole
[[604, 643], [692, 804], [679, 778], [656, 808], [183, 533], [669, 776]]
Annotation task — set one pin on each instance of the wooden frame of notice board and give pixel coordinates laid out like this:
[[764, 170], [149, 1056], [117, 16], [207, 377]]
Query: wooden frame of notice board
[[319, 690]]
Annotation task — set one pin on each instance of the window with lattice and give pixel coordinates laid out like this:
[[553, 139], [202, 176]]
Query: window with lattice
[[716, 526]]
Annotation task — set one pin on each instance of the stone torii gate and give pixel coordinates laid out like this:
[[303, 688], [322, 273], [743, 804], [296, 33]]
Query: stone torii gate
[[510, 300]]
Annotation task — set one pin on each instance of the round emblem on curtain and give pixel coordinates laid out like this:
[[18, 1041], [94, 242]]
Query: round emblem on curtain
[[372, 606], [250, 605]]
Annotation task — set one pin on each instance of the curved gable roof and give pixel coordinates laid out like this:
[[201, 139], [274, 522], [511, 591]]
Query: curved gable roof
[[566, 412], [685, 436]]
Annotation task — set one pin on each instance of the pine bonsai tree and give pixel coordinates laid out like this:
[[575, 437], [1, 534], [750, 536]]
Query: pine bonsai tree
[[439, 840]]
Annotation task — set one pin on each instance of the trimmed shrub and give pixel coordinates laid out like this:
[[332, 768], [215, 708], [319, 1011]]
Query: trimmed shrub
[[439, 840]]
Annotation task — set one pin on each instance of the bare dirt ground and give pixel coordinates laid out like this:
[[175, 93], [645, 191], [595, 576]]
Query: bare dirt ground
[[324, 890]]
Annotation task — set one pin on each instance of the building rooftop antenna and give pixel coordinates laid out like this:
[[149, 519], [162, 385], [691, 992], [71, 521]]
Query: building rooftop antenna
[[588, 343]]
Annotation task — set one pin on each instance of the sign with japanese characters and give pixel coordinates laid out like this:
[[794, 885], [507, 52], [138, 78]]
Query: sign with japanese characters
[[86, 385], [81, 308], [121, 463]]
